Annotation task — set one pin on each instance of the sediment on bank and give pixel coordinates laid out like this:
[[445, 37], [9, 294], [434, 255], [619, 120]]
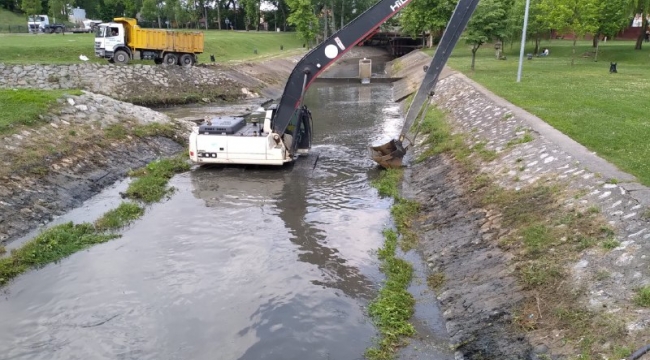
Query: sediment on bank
[[87, 143], [534, 255]]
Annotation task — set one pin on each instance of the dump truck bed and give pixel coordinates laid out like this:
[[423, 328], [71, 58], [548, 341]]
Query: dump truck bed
[[167, 40], [174, 41]]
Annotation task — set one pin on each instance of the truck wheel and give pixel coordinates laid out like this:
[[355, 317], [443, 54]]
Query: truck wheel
[[59, 30], [186, 60], [121, 57], [157, 61], [170, 59]]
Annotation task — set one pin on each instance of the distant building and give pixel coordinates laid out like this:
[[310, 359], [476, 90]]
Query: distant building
[[78, 15]]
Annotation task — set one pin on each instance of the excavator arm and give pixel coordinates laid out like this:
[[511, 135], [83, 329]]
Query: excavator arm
[[294, 119], [290, 109]]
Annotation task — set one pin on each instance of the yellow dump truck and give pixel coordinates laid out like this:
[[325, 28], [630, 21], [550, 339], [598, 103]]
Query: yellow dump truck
[[123, 40]]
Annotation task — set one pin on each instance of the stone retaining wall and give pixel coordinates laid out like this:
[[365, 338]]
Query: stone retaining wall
[[122, 82]]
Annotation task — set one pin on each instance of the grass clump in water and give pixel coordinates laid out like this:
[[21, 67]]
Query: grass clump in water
[[388, 182], [394, 305], [51, 245], [120, 217], [404, 211], [151, 183]]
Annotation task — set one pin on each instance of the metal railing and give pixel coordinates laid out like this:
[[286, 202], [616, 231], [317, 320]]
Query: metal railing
[[11, 29]]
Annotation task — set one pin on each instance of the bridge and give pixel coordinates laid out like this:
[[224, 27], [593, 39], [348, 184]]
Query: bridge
[[397, 44]]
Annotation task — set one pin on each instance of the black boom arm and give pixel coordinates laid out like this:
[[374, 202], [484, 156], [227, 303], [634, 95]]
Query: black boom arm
[[319, 58]]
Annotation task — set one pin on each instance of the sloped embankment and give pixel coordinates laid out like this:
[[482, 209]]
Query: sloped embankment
[[86, 143], [536, 245]]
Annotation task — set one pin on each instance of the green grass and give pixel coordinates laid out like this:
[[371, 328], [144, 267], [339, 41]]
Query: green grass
[[240, 45], [642, 297], [22, 106], [65, 49], [404, 211], [51, 245], [605, 112], [9, 18], [150, 184], [387, 183], [394, 305], [120, 217]]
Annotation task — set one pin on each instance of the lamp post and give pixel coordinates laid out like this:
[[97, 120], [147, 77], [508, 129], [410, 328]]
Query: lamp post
[[205, 6], [523, 41]]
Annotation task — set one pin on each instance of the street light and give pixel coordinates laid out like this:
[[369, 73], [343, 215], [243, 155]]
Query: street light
[[205, 6], [523, 41]]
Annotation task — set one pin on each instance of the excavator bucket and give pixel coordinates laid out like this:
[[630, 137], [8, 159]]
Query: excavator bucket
[[388, 155]]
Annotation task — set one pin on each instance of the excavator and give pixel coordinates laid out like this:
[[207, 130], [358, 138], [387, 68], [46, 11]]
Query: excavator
[[286, 131]]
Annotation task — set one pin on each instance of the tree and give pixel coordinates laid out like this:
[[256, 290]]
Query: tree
[[611, 18], [57, 8], [430, 16], [149, 11], [641, 7], [303, 18], [488, 22], [31, 7], [538, 23], [578, 17], [169, 11], [251, 8]]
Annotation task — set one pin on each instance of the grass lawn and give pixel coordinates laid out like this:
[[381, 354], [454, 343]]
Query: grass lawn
[[607, 113], [9, 18], [22, 107], [62, 49]]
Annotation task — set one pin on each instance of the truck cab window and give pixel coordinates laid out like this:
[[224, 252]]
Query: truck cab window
[[100, 32], [114, 32]]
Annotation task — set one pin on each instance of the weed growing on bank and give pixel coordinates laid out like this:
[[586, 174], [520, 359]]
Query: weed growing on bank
[[120, 131], [150, 184], [394, 305], [544, 238], [642, 297]]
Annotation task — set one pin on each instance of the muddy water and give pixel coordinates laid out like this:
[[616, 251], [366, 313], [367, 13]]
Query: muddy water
[[240, 263]]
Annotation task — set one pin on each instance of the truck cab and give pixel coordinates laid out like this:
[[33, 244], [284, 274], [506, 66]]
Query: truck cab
[[38, 23], [108, 38]]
